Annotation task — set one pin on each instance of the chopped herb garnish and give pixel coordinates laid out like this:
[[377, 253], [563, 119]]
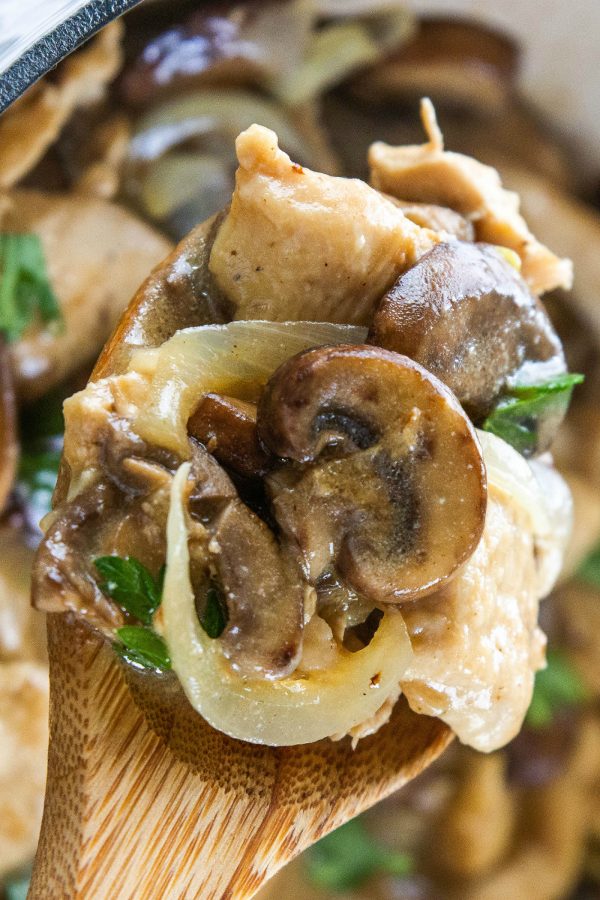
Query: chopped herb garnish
[[556, 687], [25, 291], [214, 616], [589, 570], [349, 856], [554, 386], [36, 478], [131, 584], [142, 647], [518, 416]]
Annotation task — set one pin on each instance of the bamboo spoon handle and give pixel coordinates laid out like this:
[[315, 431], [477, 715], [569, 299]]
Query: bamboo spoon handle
[[131, 814]]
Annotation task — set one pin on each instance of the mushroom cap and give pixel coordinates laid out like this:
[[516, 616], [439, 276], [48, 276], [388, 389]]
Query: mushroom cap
[[391, 485], [464, 312]]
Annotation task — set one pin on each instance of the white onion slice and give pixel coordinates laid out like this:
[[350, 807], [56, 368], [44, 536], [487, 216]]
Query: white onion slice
[[235, 359], [510, 473], [299, 709], [542, 493]]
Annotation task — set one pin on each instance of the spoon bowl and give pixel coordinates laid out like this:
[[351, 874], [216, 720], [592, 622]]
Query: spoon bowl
[[144, 799]]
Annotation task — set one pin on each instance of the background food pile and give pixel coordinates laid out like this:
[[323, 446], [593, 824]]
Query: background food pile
[[118, 153]]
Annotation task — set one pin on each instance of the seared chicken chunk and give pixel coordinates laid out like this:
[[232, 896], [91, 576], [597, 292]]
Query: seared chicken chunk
[[476, 642], [301, 245], [426, 173]]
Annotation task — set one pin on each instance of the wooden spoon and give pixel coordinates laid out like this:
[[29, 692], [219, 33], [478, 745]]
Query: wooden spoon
[[144, 799]]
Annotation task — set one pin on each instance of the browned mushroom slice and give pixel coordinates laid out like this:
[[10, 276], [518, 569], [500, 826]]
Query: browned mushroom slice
[[227, 428], [62, 579], [210, 47], [464, 313], [394, 490], [262, 587], [458, 63], [9, 447]]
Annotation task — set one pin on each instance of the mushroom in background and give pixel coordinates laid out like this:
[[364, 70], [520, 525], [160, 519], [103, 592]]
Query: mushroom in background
[[459, 64]]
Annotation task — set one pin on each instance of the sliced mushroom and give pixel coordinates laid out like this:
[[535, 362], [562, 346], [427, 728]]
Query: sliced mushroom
[[208, 48], [261, 585], [463, 312], [62, 577], [120, 489], [393, 489], [9, 446], [458, 63], [227, 428]]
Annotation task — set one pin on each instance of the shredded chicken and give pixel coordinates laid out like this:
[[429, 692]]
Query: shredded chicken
[[31, 125], [429, 174], [476, 642], [301, 245]]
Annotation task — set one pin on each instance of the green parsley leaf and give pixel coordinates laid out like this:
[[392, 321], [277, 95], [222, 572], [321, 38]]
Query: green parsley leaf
[[25, 291], [589, 570], [214, 617], [556, 687], [143, 648], [37, 474], [131, 584], [518, 417], [555, 386], [349, 856]]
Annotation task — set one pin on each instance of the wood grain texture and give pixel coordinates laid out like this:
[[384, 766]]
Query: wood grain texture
[[162, 806]]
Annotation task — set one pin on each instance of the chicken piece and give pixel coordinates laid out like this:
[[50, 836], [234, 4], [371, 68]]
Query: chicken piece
[[427, 173], [103, 239], [31, 125], [24, 739], [301, 245], [476, 642]]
